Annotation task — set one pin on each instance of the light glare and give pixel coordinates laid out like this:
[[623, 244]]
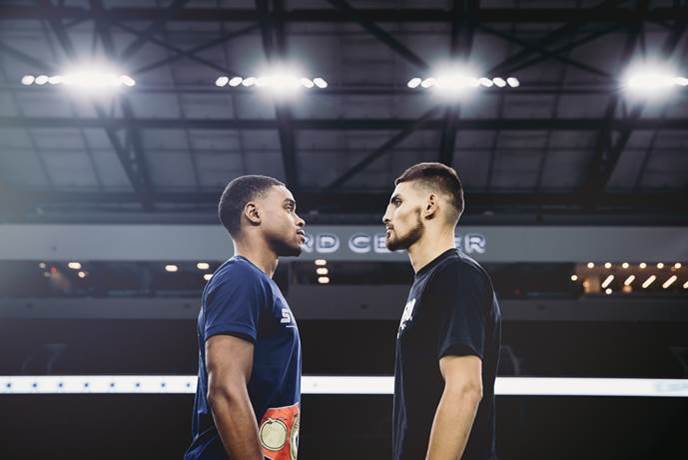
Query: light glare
[[28, 80], [221, 81]]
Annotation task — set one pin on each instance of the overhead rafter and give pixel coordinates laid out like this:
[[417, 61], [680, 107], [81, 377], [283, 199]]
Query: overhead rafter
[[192, 53], [362, 18], [358, 201], [358, 124], [155, 27], [573, 24], [384, 148], [391, 15]]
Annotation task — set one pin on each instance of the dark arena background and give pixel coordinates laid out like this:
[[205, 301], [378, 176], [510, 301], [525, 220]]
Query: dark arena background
[[121, 121]]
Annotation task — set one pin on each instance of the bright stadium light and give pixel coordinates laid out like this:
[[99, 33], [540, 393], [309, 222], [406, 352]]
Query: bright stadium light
[[486, 82], [652, 79], [513, 82], [414, 82], [320, 82], [281, 80], [93, 78], [499, 82], [428, 82], [235, 81]]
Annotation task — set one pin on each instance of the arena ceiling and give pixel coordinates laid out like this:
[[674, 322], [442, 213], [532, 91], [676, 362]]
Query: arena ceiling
[[567, 141]]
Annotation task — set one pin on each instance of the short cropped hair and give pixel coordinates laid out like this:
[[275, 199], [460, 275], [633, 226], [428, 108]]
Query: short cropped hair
[[237, 194], [440, 177]]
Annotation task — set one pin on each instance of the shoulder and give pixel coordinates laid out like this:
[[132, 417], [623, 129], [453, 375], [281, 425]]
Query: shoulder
[[459, 269], [237, 273]]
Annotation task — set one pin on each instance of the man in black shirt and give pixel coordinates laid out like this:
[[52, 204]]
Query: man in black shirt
[[449, 336]]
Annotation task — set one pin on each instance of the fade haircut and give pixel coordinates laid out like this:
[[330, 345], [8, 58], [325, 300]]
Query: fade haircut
[[440, 177], [237, 194]]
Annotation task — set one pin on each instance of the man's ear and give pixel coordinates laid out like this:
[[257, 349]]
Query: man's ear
[[252, 213], [431, 206]]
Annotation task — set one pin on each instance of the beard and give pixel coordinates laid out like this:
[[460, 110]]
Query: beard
[[404, 241]]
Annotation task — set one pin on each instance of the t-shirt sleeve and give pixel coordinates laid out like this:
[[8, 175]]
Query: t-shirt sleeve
[[234, 303], [461, 294]]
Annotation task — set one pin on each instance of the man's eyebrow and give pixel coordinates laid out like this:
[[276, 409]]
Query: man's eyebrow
[[290, 201], [394, 197]]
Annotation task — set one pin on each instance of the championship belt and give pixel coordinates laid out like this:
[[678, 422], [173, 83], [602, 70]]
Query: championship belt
[[279, 432]]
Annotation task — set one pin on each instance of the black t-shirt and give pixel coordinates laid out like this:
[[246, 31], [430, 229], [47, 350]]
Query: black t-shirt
[[451, 310]]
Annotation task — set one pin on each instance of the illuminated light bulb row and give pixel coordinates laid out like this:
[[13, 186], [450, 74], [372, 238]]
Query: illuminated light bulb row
[[642, 265], [322, 271], [88, 79], [272, 81], [629, 281], [654, 80], [455, 82]]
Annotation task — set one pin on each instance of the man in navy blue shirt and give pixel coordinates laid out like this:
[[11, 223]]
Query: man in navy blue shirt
[[448, 340], [247, 404]]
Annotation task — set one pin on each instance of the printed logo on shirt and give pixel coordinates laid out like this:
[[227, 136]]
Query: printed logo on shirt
[[286, 316], [279, 432], [406, 316]]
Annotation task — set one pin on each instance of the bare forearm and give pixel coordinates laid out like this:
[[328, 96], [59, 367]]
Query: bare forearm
[[236, 424], [452, 425]]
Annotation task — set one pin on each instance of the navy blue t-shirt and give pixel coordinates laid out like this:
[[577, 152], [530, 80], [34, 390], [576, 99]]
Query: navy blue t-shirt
[[241, 300], [451, 310]]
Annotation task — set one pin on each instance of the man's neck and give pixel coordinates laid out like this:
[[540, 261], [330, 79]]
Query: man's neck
[[259, 254], [429, 247]]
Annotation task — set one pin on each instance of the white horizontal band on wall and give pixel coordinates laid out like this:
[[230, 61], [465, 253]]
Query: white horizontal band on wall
[[345, 385]]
